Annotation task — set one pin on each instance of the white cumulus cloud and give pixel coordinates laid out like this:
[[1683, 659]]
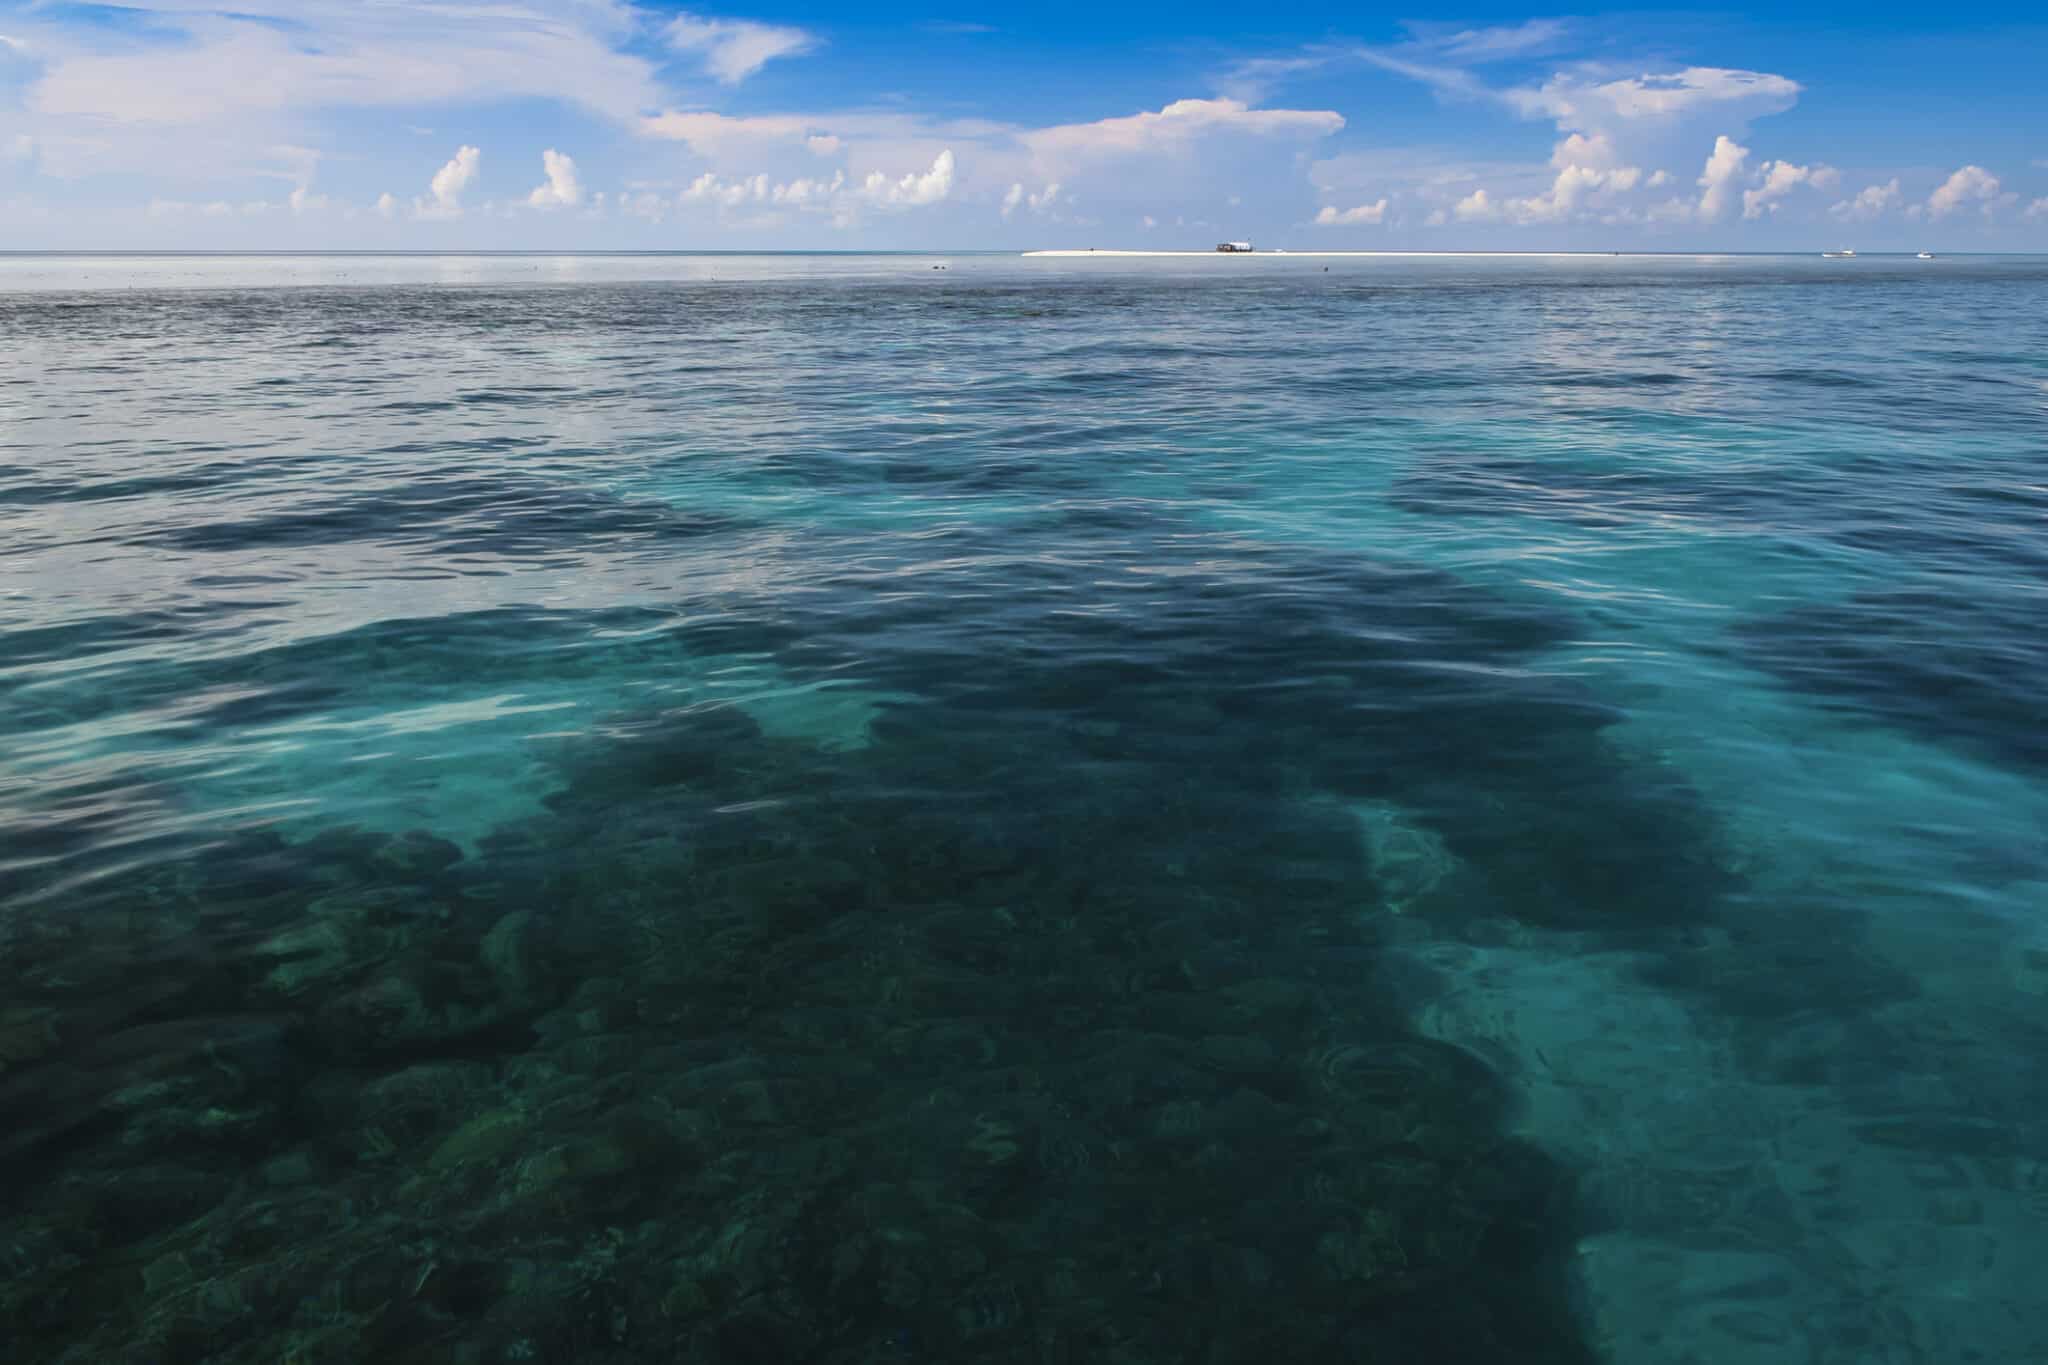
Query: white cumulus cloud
[[1181, 158], [1158, 159], [1616, 124], [387, 207], [1970, 185], [734, 49], [1332, 216], [1867, 203], [1595, 152], [710, 189], [805, 192], [1780, 179], [913, 187], [2039, 208], [1717, 181], [1041, 202], [842, 198], [1476, 207], [562, 189], [444, 192], [1586, 170]]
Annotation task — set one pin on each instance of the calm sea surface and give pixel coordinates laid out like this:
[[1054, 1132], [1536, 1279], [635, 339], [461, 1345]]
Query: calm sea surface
[[824, 809]]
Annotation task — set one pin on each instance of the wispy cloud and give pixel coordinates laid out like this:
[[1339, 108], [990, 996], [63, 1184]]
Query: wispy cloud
[[1474, 46], [1447, 80], [1332, 216], [258, 56], [709, 133], [1578, 100], [1252, 79], [1438, 55], [1175, 125], [216, 208], [734, 49]]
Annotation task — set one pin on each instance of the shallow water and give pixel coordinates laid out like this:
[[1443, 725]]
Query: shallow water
[[818, 808]]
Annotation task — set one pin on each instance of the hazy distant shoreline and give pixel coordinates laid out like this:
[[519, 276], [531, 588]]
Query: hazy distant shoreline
[[1277, 252], [117, 272]]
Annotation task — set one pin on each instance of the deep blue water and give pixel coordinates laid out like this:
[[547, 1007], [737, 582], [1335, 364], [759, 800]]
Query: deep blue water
[[820, 809]]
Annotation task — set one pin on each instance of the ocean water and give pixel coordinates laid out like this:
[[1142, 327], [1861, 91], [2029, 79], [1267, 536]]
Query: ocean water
[[757, 809]]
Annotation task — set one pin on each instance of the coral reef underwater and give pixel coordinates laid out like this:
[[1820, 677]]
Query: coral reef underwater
[[1046, 1025]]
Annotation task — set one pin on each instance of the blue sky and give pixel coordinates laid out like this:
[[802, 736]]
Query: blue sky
[[446, 124]]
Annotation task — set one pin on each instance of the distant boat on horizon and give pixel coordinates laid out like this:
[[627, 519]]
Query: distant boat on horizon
[[1926, 255], [1844, 253]]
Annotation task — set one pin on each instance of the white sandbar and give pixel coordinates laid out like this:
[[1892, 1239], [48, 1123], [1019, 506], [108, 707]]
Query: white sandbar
[[1240, 255]]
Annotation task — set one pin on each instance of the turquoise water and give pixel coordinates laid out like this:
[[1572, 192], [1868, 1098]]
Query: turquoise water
[[821, 809]]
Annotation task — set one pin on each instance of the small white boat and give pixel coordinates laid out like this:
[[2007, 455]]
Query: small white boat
[[1841, 255], [1926, 255]]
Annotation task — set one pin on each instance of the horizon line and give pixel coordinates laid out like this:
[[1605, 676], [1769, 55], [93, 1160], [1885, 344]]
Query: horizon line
[[1041, 252]]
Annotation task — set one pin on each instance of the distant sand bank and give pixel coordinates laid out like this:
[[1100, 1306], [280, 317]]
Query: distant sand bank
[[1266, 255]]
